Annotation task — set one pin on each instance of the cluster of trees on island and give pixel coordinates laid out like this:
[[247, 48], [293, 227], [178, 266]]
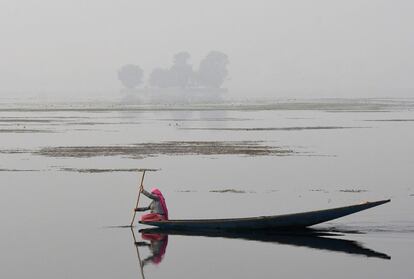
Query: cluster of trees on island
[[211, 73]]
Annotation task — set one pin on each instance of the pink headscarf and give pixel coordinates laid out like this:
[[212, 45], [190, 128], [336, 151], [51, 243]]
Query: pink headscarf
[[157, 192]]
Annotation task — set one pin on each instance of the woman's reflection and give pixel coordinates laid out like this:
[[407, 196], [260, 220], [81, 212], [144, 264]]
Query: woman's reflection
[[157, 244]]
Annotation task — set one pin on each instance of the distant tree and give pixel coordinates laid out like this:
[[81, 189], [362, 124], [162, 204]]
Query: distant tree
[[179, 75], [213, 69], [130, 75], [160, 78], [181, 72]]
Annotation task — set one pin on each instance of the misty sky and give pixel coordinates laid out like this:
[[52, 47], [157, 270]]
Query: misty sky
[[296, 48]]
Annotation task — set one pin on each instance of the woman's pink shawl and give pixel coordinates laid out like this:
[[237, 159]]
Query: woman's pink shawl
[[157, 192]]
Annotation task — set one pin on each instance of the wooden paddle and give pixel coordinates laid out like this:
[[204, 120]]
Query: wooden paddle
[[139, 194], [141, 268]]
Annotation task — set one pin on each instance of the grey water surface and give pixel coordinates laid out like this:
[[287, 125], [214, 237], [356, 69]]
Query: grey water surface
[[69, 177]]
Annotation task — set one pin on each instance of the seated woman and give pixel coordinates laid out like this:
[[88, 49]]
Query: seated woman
[[158, 206]]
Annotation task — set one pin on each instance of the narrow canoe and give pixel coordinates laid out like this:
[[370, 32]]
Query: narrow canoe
[[296, 220]]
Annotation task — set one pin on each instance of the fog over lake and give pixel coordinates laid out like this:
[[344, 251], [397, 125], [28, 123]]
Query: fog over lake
[[240, 112], [276, 48]]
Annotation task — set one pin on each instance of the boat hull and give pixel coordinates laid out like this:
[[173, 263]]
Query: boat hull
[[296, 220]]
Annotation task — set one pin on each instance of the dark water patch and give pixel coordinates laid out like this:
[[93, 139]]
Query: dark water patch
[[353, 191], [274, 128], [142, 150], [105, 170]]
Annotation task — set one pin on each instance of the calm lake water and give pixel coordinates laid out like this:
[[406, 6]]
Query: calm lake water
[[60, 211]]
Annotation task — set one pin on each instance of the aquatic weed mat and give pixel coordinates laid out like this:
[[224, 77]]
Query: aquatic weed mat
[[327, 104], [143, 150], [272, 128], [96, 170]]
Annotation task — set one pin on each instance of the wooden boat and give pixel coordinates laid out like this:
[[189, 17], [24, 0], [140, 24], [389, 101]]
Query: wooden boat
[[290, 221]]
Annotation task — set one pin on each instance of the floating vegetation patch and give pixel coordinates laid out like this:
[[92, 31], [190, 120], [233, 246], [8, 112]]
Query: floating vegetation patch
[[105, 170], [142, 150], [319, 190], [186, 191], [233, 191], [297, 118], [14, 151], [353, 191], [91, 123], [366, 228], [24, 120], [274, 128], [25, 131], [390, 120], [203, 119], [42, 118], [16, 170], [341, 105]]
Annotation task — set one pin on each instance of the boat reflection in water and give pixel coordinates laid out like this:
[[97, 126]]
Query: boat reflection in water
[[157, 240], [157, 244]]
